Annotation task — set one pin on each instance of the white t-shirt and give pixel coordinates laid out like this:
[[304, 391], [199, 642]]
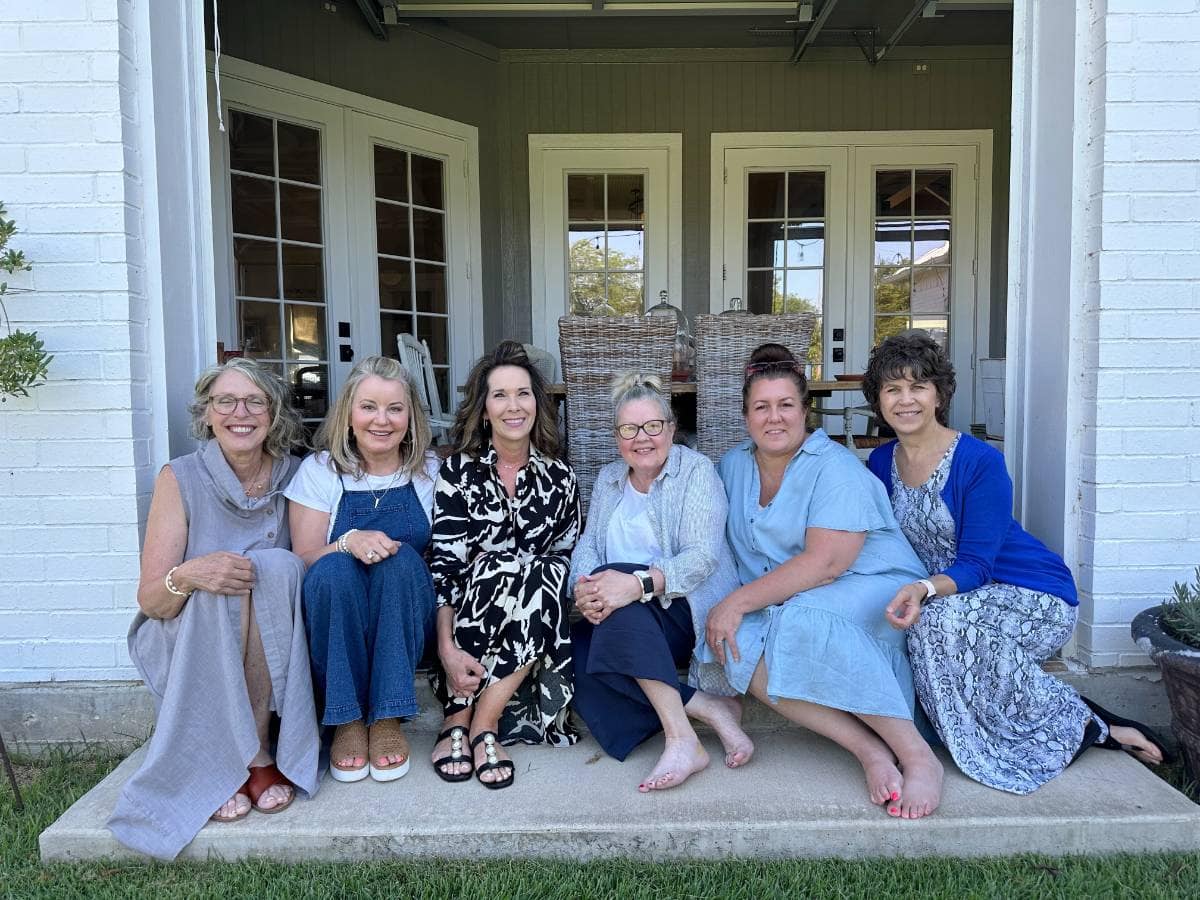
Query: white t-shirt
[[630, 538], [316, 485]]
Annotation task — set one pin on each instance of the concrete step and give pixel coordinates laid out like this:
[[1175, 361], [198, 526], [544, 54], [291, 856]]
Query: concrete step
[[799, 797]]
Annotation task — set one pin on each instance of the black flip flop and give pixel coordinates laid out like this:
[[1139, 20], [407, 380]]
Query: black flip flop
[[491, 766], [449, 760], [1111, 743]]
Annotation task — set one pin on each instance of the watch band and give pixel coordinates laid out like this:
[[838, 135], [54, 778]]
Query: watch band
[[647, 581], [930, 590]]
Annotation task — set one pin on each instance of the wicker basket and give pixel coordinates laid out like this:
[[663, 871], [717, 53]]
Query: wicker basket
[[723, 346], [592, 349]]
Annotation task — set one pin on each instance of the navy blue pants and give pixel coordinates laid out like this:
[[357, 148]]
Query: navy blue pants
[[641, 640]]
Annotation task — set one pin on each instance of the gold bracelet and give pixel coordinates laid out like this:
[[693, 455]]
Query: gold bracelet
[[169, 582]]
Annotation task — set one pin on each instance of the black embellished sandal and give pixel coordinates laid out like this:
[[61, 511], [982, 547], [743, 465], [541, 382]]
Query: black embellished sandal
[[493, 763], [456, 735], [1111, 743]]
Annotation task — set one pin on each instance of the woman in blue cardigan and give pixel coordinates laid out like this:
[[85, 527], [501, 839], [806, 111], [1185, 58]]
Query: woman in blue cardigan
[[997, 603]]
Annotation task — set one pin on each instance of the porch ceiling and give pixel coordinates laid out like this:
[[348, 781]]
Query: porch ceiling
[[610, 24]]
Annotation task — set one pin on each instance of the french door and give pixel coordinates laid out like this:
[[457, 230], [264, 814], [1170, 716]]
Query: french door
[[874, 234], [336, 230]]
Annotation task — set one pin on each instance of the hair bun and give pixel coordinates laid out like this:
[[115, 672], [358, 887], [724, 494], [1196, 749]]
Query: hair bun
[[624, 383], [769, 353]]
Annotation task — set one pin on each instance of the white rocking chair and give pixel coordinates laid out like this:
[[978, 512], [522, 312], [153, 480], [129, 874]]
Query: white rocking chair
[[414, 356]]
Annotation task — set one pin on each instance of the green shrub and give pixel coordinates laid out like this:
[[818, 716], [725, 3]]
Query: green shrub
[[1181, 613], [23, 358]]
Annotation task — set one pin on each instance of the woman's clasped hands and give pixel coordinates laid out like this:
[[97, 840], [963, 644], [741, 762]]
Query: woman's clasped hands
[[219, 573], [369, 547], [599, 596]]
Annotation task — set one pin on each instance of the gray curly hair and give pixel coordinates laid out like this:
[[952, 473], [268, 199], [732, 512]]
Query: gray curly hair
[[285, 431]]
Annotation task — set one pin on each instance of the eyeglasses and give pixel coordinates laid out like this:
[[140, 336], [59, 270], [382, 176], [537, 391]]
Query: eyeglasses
[[628, 431], [255, 404], [778, 365]]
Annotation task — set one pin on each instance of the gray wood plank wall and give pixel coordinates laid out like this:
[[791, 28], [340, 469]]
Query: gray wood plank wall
[[511, 94]]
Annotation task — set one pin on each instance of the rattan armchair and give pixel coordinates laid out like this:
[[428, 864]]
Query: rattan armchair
[[723, 346], [591, 350]]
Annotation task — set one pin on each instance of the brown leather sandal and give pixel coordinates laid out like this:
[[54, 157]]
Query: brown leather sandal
[[349, 742], [236, 817], [386, 738], [261, 779]]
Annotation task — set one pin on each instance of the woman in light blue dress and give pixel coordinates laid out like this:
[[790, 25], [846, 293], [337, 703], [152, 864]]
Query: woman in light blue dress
[[819, 556]]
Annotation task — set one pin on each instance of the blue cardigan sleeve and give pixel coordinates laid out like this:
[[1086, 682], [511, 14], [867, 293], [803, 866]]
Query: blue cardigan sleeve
[[980, 499]]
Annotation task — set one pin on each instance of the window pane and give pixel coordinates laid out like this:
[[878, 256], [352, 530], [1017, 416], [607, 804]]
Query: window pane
[[888, 326], [937, 327], [429, 235], [587, 293], [299, 153], [253, 202], [431, 288], [300, 212], [931, 289], [257, 273], [805, 244], [251, 144], [391, 174], [625, 293], [585, 248], [893, 193], [805, 289], [305, 332], [932, 241], [893, 243], [626, 198], [260, 328], [760, 292], [427, 181], [585, 198], [625, 248], [390, 327], [764, 244], [391, 229], [395, 287], [806, 195], [310, 390], [303, 273], [891, 289], [432, 330], [764, 195], [933, 193]]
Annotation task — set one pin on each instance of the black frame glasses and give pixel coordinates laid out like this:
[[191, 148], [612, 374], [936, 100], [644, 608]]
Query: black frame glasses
[[627, 431]]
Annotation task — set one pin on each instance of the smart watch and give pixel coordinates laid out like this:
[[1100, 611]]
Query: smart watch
[[647, 581]]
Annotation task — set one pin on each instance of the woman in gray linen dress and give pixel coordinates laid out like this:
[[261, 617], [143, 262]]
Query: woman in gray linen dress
[[219, 638]]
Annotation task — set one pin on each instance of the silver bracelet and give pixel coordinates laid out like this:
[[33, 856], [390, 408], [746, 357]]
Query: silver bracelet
[[170, 584]]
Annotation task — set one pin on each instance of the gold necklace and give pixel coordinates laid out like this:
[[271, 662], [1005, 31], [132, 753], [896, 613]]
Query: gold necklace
[[256, 484]]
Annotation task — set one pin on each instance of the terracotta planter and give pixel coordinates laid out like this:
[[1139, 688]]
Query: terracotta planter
[[1180, 665]]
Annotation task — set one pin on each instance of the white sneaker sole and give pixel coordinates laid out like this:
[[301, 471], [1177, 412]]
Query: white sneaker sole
[[391, 774]]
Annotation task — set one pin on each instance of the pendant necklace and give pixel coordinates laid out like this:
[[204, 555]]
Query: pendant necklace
[[391, 484], [258, 484]]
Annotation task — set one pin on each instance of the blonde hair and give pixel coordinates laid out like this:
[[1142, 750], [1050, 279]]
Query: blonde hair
[[336, 436], [285, 430], [630, 386]]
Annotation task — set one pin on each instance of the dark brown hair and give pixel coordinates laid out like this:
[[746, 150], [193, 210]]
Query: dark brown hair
[[773, 361], [471, 433], [914, 355]]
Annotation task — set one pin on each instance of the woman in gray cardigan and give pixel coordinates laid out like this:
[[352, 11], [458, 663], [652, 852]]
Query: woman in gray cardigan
[[655, 539]]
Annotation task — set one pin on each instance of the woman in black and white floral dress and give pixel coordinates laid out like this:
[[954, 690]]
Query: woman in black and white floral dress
[[506, 517]]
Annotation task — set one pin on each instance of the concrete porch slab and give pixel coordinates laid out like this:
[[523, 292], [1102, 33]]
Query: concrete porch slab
[[799, 797]]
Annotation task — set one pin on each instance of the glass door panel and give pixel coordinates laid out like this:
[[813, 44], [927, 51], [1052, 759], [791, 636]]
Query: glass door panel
[[279, 252]]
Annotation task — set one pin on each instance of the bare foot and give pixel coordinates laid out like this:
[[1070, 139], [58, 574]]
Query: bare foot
[[884, 781], [492, 775], [679, 760], [1136, 744], [275, 795], [922, 790], [724, 716], [236, 807], [445, 748]]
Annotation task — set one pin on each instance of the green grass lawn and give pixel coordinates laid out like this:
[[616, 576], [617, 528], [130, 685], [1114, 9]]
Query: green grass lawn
[[53, 783]]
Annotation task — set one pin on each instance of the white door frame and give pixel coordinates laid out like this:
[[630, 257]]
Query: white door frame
[[551, 157], [334, 110]]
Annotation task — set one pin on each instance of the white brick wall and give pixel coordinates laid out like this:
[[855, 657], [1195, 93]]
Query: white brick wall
[[1140, 491], [74, 456]]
